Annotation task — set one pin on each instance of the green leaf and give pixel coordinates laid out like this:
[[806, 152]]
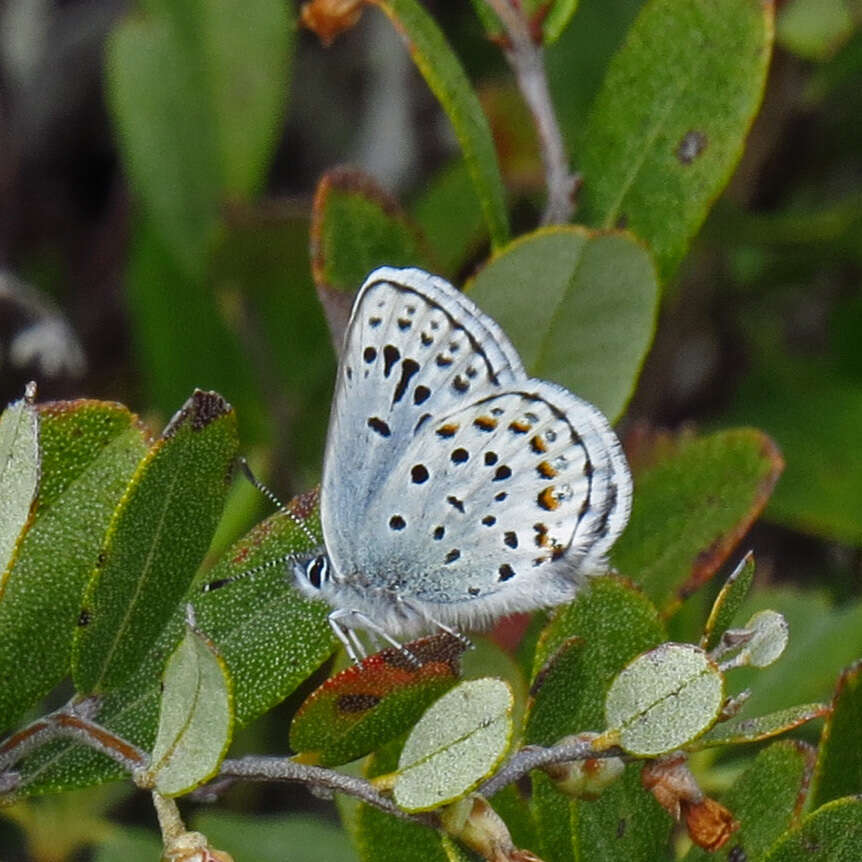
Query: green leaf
[[692, 507], [198, 91], [457, 742], [264, 253], [839, 759], [766, 800], [181, 340], [669, 124], [769, 636], [446, 77], [156, 541], [582, 649], [19, 478], [820, 490], [270, 637], [449, 216], [557, 18], [380, 837], [579, 306], [366, 705], [746, 730], [578, 655], [195, 720], [166, 131], [664, 699], [728, 602], [89, 451], [832, 833], [264, 839], [551, 15], [814, 29], [825, 639], [246, 49], [356, 227]]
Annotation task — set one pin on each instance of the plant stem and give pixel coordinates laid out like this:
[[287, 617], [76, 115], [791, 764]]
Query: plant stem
[[534, 757], [285, 769], [527, 62]]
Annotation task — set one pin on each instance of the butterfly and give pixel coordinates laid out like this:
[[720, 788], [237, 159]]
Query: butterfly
[[456, 488]]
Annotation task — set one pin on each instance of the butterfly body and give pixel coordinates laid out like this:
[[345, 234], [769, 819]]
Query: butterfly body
[[456, 488]]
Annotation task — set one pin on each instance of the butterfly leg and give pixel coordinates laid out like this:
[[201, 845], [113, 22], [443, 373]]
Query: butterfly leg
[[442, 626], [349, 639], [343, 632]]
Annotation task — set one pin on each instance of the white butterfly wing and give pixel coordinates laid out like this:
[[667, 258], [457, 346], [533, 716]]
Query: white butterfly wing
[[412, 344], [526, 491], [452, 479]]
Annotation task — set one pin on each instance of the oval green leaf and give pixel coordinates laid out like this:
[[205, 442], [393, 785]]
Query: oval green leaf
[[19, 477], [366, 705], [668, 126], [457, 742], [195, 719], [156, 541], [89, 451], [664, 699], [580, 307], [770, 634], [444, 74], [692, 507]]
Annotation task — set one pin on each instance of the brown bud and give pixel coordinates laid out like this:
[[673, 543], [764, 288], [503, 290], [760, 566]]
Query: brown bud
[[329, 18], [709, 824]]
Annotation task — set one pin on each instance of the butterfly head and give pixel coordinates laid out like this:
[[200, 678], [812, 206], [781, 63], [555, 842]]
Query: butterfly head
[[313, 574]]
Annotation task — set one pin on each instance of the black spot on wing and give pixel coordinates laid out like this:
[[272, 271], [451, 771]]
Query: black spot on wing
[[409, 367], [375, 423], [391, 354]]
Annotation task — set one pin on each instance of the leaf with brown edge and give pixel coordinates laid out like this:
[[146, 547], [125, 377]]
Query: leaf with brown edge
[[692, 507], [366, 705], [355, 227], [839, 759]]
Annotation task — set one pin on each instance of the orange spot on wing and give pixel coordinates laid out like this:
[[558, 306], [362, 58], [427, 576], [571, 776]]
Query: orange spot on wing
[[547, 500]]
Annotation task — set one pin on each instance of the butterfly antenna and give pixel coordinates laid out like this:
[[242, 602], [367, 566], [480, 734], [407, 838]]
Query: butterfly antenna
[[277, 561], [269, 564], [270, 495]]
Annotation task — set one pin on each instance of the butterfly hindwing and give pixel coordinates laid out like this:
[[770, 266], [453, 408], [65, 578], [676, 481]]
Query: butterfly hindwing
[[503, 504]]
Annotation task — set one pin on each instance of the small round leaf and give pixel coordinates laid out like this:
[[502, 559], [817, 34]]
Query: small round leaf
[[458, 741], [664, 699], [769, 641]]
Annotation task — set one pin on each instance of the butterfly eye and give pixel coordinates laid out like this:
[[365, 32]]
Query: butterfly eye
[[317, 571]]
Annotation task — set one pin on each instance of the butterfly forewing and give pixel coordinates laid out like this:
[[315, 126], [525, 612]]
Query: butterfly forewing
[[415, 349]]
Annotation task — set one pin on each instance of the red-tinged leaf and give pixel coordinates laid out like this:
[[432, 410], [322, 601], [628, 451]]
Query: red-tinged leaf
[[366, 705], [692, 507], [839, 757], [356, 227]]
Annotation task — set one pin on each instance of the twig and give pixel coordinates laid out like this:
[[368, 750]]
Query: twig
[[284, 769], [525, 58], [534, 757], [71, 721]]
